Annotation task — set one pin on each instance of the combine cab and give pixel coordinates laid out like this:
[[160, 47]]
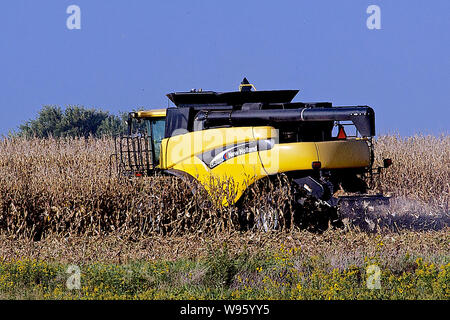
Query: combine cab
[[248, 135]]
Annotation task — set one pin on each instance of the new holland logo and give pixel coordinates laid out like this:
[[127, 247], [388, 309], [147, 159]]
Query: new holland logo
[[232, 153], [217, 156]]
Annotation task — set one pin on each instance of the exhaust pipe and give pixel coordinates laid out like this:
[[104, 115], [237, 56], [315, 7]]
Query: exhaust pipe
[[363, 117]]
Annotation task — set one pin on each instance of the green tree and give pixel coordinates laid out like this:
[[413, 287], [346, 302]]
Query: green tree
[[48, 123], [75, 121], [113, 125], [80, 122]]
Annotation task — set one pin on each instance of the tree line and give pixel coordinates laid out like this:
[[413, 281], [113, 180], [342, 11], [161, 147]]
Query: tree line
[[73, 121]]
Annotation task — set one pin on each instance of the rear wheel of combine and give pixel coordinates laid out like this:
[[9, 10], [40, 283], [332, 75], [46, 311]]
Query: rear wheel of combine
[[265, 206], [278, 204], [267, 217]]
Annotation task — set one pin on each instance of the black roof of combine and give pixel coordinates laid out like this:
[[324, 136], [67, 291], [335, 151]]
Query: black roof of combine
[[232, 98]]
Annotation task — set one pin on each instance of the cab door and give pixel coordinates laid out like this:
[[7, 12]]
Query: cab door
[[155, 131]]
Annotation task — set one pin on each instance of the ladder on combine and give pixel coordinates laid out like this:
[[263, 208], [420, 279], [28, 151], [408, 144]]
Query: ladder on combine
[[132, 155]]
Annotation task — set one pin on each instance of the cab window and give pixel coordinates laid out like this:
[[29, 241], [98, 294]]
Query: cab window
[[155, 131]]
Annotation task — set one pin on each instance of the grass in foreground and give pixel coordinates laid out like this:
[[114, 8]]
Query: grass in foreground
[[285, 273]]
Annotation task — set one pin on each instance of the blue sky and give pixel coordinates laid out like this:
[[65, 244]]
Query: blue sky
[[129, 54]]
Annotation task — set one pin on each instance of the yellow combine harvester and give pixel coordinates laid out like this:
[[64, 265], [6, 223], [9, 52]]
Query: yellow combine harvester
[[248, 135]]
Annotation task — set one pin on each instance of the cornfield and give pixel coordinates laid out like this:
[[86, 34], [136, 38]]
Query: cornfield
[[64, 187]]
